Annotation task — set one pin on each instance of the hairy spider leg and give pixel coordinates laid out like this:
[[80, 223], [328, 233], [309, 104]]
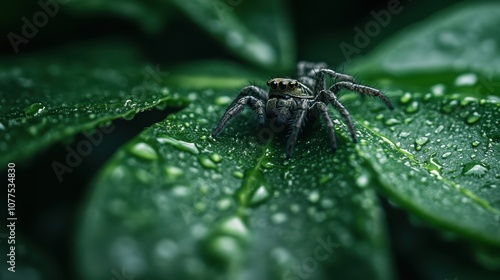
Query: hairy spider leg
[[250, 96], [321, 109], [307, 73], [284, 107], [361, 89], [296, 126], [332, 99]]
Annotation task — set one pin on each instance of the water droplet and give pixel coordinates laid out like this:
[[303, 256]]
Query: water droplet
[[405, 98], [254, 189], [279, 218], [215, 157], [473, 118], [178, 144], [2, 127], [467, 79], [439, 129], [362, 181], [223, 100], [260, 195], [313, 196], [180, 191], [144, 151], [445, 155], [412, 107], [404, 134], [173, 172], [238, 174], [224, 249], [206, 162], [475, 169], [224, 203], [438, 89], [34, 109], [475, 143], [235, 226], [129, 115], [433, 166], [420, 141], [391, 122]]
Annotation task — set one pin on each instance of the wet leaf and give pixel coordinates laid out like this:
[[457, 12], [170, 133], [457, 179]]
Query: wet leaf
[[173, 203], [44, 100], [461, 39], [258, 31]]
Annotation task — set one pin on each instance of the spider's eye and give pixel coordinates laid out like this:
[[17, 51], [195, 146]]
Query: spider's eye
[[268, 83], [273, 85], [282, 85], [292, 85]]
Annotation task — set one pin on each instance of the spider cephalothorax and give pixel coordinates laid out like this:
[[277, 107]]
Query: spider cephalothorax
[[292, 100]]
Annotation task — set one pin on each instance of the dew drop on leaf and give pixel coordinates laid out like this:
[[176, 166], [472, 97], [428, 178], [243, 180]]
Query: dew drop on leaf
[[313, 196], [412, 107], [178, 144], [475, 169], [473, 118], [173, 172], [467, 79], [143, 151], [224, 203], [405, 98], [420, 141], [34, 109], [206, 162], [215, 157], [391, 122], [260, 195], [447, 154], [238, 174], [279, 218]]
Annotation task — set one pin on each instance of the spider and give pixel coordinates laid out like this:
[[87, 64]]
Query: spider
[[293, 100]]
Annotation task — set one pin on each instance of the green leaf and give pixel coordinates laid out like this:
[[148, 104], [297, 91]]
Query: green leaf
[[437, 154], [46, 99], [151, 15], [173, 203], [437, 157], [463, 38], [258, 31]]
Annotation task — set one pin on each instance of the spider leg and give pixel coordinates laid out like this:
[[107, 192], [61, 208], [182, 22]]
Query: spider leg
[[361, 89], [284, 107], [330, 96], [307, 72], [250, 96], [321, 109], [296, 126]]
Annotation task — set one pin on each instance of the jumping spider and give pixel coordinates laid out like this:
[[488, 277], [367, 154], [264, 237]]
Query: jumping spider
[[292, 100]]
